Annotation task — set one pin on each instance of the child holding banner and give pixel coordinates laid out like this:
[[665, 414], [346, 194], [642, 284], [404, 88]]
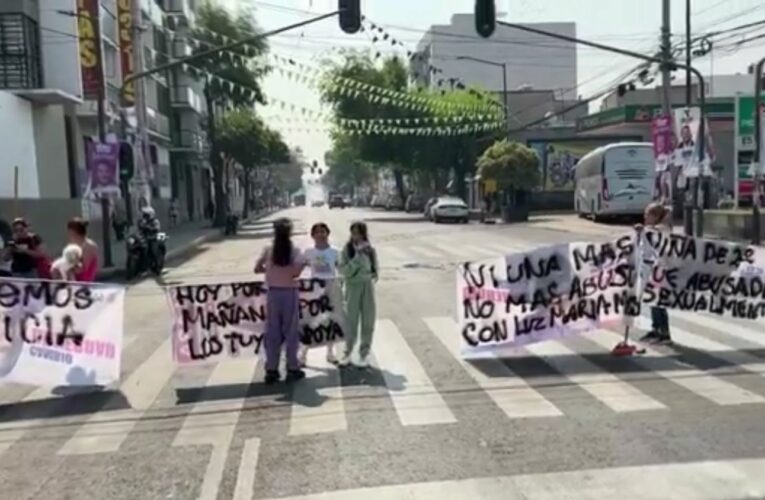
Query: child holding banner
[[322, 259], [359, 266], [658, 217], [282, 264]]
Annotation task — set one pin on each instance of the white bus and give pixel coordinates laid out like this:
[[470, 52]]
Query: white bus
[[617, 179]]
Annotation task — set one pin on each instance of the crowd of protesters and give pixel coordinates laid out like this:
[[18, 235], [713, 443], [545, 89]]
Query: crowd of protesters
[[24, 255]]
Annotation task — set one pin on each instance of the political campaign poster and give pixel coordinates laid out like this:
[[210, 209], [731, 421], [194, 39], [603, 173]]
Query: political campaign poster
[[212, 322], [545, 294], [60, 333], [103, 168]]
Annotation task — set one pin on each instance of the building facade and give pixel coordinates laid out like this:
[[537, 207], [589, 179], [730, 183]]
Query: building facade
[[534, 62]]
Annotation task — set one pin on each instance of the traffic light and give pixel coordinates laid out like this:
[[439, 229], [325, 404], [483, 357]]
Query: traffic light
[[350, 15], [485, 17], [127, 163]]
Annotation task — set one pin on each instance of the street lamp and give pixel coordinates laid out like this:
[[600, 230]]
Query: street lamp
[[504, 84]]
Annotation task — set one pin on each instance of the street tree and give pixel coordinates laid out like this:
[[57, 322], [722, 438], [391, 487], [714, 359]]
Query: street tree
[[232, 77], [514, 168], [445, 151], [243, 137], [347, 171]]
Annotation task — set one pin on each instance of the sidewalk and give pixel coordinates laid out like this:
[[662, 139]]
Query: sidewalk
[[182, 241]]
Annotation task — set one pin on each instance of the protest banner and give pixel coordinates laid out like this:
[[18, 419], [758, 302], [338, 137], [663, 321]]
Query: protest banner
[[212, 322], [704, 275], [546, 293], [60, 334]]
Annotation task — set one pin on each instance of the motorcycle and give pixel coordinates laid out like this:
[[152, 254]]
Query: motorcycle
[[145, 254], [232, 225]]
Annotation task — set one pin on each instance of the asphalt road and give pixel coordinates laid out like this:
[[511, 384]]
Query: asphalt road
[[555, 420]]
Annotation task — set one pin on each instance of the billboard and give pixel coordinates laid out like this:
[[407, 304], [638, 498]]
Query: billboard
[[90, 65], [559, 156]]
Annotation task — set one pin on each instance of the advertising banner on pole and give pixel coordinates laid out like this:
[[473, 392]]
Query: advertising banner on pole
[[126, 27], [90, 65]]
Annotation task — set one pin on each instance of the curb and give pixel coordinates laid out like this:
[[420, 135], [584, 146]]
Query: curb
[[214, 234]]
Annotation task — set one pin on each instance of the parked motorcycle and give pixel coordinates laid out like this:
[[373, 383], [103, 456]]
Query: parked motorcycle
[[145, 254]]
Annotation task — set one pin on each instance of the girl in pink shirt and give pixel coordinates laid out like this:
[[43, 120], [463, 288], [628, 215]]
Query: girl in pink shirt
[[282, 264], [77, 231]]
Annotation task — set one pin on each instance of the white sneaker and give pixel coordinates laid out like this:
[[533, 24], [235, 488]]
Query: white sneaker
[[331, 358], [344, 361], [363, 362]]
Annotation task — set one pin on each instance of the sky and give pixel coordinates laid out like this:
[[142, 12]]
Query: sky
[[631, 24]]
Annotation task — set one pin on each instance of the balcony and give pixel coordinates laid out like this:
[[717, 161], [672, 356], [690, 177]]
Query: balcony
[[182, 47], [182, 96], [189, 141], [19, 53], [185, 16], [157, 123]]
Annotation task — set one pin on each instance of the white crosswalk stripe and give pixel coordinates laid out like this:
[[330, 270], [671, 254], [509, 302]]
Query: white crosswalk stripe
[[318, 405], [603, 386], [416, 401], [508, 391], [106, 431], [213, 422], [317, 409], [697, 381]]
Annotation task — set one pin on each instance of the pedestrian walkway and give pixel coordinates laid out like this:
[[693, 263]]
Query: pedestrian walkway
[[654, 382]]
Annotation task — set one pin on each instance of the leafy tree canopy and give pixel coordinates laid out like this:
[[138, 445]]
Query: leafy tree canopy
[[511, 165]]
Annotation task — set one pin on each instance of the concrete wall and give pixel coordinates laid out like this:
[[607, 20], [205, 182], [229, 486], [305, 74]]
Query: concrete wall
[[59, 52], [17, 147], [50, 148]]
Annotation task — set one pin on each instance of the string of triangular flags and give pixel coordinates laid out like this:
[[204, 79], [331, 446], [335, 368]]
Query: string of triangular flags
[[400, 131], [311, 75], [381, 35], [363, 122]]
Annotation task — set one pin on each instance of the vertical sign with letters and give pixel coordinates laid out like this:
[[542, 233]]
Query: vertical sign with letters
[[90, 65], [125, 21]]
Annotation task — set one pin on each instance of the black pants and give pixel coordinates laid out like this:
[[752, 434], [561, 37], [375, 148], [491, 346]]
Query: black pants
[[660, 320]]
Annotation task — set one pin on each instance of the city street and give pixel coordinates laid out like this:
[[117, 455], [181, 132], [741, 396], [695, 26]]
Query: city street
[[556, 420]]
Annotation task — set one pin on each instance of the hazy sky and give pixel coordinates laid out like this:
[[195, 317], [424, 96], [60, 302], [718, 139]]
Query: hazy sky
[[632, 24]]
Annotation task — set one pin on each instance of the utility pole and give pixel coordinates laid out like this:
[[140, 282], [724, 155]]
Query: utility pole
[[688, 52], [141, 135], [666, 57]]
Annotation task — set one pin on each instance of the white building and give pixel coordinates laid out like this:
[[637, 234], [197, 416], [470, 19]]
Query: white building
[[534, 62]]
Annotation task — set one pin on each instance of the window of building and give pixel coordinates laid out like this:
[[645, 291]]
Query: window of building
[[19, 52]]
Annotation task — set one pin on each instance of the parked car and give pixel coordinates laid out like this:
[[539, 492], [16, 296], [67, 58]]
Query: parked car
[[337, 201], [450, 209], [394, 203], [317, 203], [414, 203]]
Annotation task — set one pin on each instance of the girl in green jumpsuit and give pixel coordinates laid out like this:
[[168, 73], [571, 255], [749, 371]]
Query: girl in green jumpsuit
[[358, 265]]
